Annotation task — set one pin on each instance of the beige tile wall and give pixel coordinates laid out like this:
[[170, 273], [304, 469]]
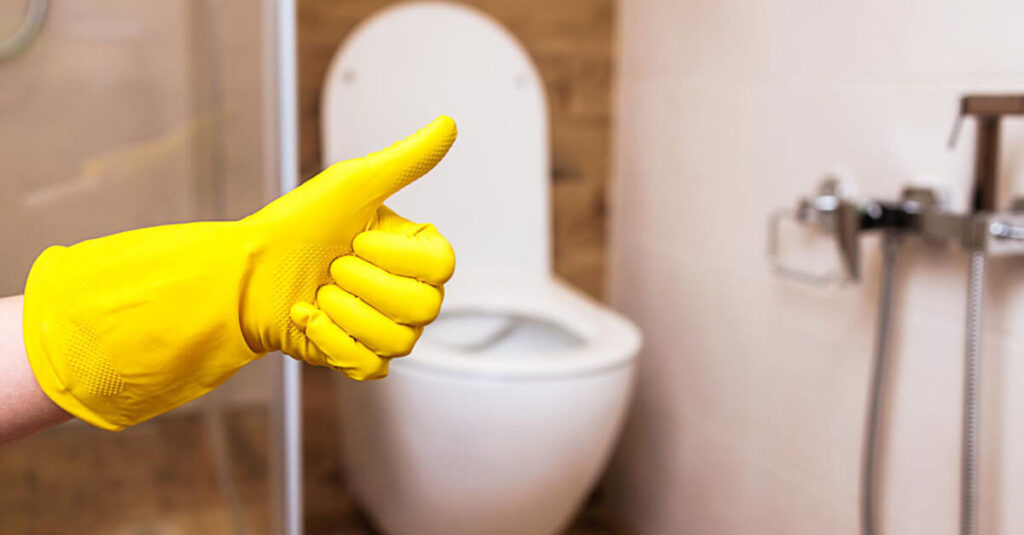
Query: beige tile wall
[[752, 389]]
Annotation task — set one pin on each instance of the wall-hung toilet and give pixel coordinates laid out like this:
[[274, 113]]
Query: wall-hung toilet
[[506, 412]]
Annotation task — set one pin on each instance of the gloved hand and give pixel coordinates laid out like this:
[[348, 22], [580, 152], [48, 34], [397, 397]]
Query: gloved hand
[[122, 328]]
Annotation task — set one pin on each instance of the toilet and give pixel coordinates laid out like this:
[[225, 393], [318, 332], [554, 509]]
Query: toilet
[[503, 417]]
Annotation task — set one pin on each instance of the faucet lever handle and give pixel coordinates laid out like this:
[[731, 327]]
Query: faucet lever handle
[[828, 211], [955, 133]]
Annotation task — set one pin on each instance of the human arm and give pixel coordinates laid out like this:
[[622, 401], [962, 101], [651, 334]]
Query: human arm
[[24, 408]]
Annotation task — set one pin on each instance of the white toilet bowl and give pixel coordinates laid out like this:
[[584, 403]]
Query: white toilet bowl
[[506, 412], [499, 423]]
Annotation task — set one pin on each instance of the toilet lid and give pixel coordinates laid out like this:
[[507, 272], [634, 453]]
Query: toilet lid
[[407, 64]]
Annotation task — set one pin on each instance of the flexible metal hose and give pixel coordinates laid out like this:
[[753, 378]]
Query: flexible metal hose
[[972, 351], [868, 520]]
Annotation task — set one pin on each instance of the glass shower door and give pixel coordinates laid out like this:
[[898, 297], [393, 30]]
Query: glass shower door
[[123, 114]]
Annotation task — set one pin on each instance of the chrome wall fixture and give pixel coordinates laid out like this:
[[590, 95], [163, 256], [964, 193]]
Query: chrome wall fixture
[[981, 231], [26, 32]]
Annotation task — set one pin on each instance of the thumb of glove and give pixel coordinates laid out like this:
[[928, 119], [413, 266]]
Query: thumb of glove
[[344, 197]]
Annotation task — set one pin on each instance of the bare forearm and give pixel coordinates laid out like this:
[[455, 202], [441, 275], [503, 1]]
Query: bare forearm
[[24, 408]]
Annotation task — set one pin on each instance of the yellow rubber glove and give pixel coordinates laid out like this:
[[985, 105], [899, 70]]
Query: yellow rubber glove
[[122, 328]]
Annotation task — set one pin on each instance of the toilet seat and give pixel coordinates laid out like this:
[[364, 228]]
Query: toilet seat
[[606, 340]]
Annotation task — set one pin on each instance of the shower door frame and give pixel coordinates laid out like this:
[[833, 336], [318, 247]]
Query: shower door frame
[[281, 102]]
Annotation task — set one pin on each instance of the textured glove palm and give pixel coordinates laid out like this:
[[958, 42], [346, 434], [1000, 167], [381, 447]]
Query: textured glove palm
[[121, 328]]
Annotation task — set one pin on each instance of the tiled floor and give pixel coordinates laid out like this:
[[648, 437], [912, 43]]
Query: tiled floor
[[161, 478]]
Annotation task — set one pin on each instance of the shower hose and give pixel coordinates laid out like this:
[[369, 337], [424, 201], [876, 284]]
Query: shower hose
[[868, 521], [969, 448], [972, 349]]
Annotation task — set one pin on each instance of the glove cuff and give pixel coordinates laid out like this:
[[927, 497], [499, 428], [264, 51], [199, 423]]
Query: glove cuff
[[38, 337], [122, 328]]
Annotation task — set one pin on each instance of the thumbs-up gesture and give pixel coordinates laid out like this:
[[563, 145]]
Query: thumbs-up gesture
[[351, 283], [125, 327]]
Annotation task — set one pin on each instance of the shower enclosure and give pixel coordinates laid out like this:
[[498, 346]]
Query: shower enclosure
[[119, 114]]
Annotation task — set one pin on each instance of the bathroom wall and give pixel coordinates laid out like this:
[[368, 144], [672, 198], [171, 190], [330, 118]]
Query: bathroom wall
[[752, 389], [571, 43]]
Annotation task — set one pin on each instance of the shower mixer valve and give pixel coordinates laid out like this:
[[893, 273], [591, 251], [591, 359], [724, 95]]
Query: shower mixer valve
[[919, 211]]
